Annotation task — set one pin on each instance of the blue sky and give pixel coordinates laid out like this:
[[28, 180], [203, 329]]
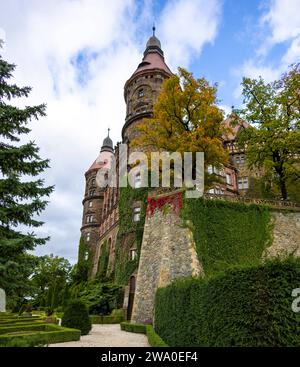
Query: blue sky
[[78, 54]]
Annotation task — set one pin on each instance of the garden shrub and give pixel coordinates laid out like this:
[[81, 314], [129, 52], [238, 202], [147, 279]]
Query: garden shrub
[[76, 316], [249, 306], [154, 339]]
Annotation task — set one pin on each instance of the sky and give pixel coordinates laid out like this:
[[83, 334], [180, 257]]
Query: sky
[[78, 54]]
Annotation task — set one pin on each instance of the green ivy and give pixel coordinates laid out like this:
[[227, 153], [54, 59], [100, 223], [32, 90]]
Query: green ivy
[[129, 231], [103, 262], [227, 234]]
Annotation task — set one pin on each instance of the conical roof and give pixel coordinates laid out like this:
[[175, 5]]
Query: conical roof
[[153, 57]]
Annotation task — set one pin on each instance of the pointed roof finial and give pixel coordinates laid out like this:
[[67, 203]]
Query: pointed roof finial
[[153, 29], [108, 130]]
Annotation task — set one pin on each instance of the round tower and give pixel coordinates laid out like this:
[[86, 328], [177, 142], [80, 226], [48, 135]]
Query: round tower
[[93, 197], [143, 87]]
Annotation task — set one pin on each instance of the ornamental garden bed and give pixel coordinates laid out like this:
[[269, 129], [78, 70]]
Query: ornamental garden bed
[[42, 334]]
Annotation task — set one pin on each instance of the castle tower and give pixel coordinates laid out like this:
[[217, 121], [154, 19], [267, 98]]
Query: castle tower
[[143, 87], [93, 198]]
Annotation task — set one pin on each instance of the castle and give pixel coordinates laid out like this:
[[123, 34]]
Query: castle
[[100, 220]]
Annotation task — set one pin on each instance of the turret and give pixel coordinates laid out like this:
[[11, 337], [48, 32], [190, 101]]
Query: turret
[[143, 87]]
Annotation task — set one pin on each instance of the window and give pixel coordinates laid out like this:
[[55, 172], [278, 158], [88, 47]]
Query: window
[[240, 159], [92, 192], [243, 183], [228, 179], [88, 236], [93, 182], [136, 214], [90, 204], [86, 255], [141, 93], [133, 254], [89, 219], [211, 169], [137, 181]]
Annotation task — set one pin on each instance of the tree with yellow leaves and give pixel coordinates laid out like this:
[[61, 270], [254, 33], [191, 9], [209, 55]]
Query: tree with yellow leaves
[[185, 118]]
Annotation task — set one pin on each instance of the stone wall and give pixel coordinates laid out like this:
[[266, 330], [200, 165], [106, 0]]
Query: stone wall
[[286, 235], [168, 252], [2, 300]]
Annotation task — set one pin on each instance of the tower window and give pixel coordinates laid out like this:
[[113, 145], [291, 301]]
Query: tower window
[[90, 204], [136, 214], [88, 236], [133, 254], [86, 255], [243, 183], [89, 219], [240, 159], [141, 93], [137, 181]]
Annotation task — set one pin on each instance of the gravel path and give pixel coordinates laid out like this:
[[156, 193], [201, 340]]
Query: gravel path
[[107, 336]]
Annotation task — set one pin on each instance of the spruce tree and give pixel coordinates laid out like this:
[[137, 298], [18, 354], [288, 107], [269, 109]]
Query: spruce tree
[[22, 193]]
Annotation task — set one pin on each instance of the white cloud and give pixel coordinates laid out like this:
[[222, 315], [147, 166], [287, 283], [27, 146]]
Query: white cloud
[[57, 43], [282, 22], [185, 26]]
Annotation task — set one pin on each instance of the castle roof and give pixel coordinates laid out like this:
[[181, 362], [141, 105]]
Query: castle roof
[[107, 145], [153, 57], [234, 128]]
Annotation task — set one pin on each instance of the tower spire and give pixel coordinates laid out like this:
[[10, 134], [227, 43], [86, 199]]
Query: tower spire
[[153, 29]]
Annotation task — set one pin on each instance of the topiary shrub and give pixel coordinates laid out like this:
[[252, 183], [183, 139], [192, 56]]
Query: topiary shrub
[[76, 316]]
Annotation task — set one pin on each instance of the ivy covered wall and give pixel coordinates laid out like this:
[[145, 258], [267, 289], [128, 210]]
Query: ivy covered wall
[[130, 232], [227, 234]]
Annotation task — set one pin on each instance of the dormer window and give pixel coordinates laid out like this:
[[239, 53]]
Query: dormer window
[[141, 93]]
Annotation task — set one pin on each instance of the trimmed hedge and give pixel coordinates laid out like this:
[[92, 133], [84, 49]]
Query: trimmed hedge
[[41, 334], [116, 317], [76, 316], [106, 319], [11, 320], [133, 328], [154, 339], [241, 307]]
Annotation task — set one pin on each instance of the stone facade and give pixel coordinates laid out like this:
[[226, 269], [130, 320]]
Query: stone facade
[[2, 300], [286, 235], [168, 253]]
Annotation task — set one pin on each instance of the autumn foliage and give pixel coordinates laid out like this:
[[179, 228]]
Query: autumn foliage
[[185, 118]]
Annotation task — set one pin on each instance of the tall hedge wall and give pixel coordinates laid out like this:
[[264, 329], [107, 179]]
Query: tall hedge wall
[[241, 307], [227, 234]]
